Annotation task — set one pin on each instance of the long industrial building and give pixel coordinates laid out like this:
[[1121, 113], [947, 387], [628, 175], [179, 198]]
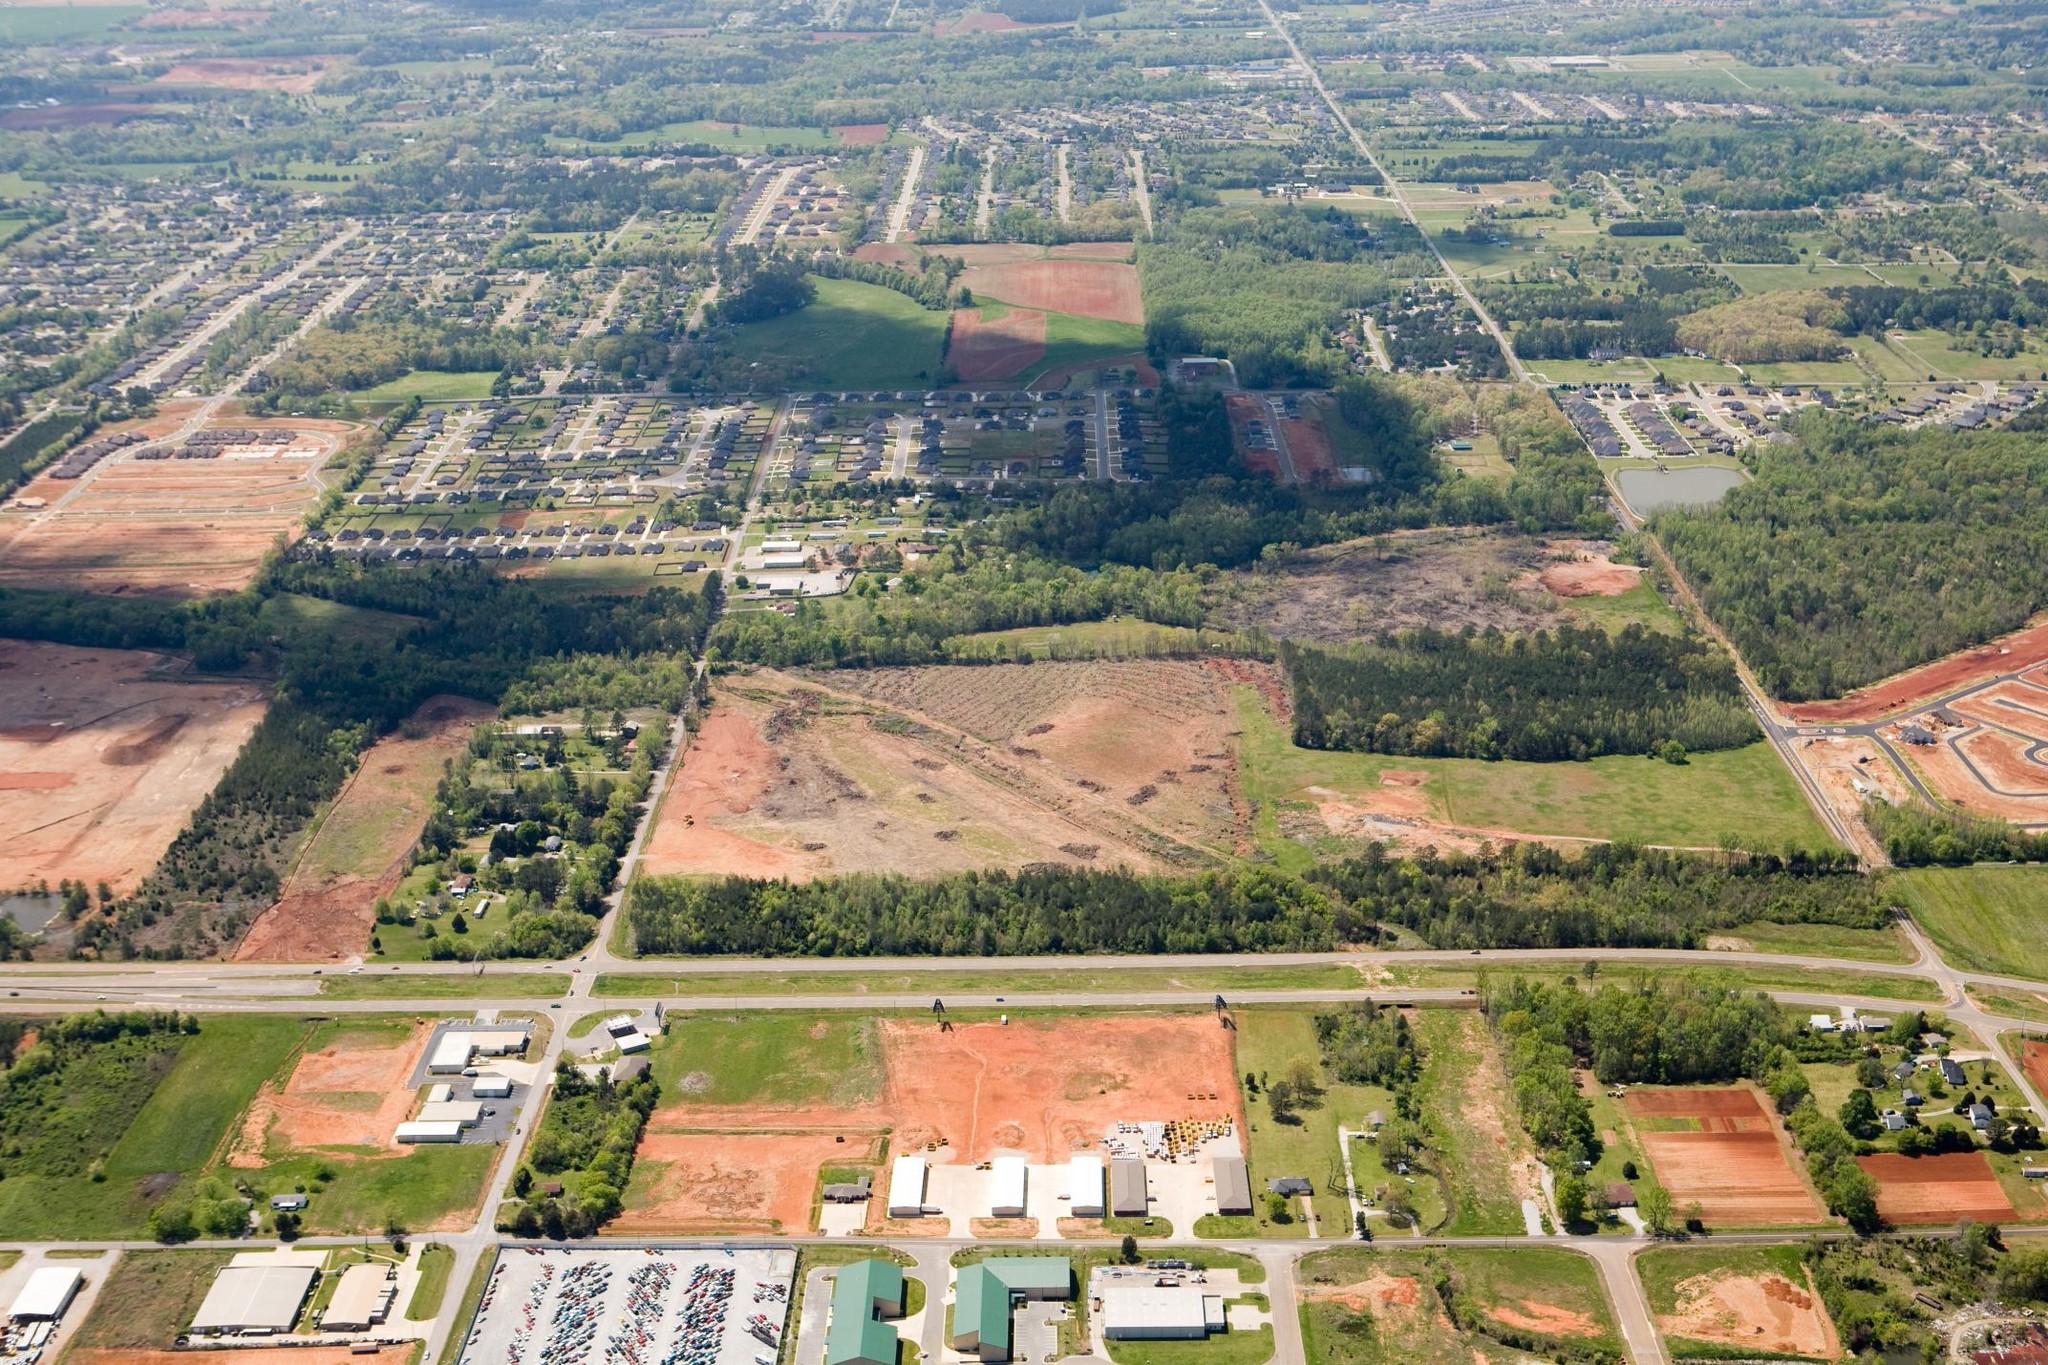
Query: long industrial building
[[1084, 1187], [457, 1048], [1129, 1196], [254, 1300], [361, 1300], [1233, 1185], [47, 1294], [1160, 1313], [907, 1176], [1007, 1185]]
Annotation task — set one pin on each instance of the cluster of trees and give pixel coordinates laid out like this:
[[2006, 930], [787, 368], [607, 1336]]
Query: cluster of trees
[[1868, 1285], [1848, 1189], [604, 682], [588, 1135], [1766, 327], [1858, 551], [931, 287], [1915, 834], [390, 339], [1613, 895], [1366, 1045], [755, 288], [67, 1098], [1570, 694]]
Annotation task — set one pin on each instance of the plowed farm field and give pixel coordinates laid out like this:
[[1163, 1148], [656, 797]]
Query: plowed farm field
[[936, 770], [1088, 288], [103, 755], [1719, 1146], [1001, 347], [1937, 1189]]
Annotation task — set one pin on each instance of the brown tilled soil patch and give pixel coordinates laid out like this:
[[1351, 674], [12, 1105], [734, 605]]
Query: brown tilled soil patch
[[103, 756], [697, 1182], [1088, 288], [2003, 759], [352, 1093], [1942, 769], [1735, 1165], [1308, 447], [862, 134], [725, 771], [1000, 348], [357, 853], [979, 21], [1589, 575], [1764, 1313], [2034, 1059], [259, 1355], [1937, 1189], [1548, 1319], [2013, 653], [294, 76]]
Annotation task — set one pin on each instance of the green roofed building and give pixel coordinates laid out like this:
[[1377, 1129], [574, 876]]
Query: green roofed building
[[984, 1292], [862, 1295]]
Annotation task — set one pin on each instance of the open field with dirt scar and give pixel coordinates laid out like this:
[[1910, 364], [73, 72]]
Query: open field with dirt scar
[[181, 527], [1719, 1146], [104, 754], [995, 347], [1738, 1300], [291, 75], [1087, 288], [763, 1183], [2009, 654], [357, 850], [1937, 1189], [350, 1094], [936, 770]]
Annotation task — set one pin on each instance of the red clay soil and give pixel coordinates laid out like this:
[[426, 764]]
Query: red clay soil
[[714, 1183], [2009, 654], [292, 75], [725, 771], [2034, 1060], [1001, 349], [1549, 1319], [1589, 578], [258, 1355], [1093, 251], [862, 134], [979, 22], [345, 1095], [1725, 1109], [1087, 288], [1308, 446], [1735, 1166], [1937, 1189], [1941, 769], [2003, 759]]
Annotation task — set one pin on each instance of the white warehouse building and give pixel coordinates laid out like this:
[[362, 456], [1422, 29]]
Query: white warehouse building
[[1084, 1186], [1006, 1187], [907, 1175]]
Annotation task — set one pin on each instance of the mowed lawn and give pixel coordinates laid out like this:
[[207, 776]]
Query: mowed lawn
[[1741, 793], [1072, 340], [781, 1059], [852, 336], [1989, 918]]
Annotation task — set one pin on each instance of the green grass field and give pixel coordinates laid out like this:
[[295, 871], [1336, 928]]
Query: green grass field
[[431, 386], [1986, 918], [436, 1263], [853, 336], [15, 185], [1745, 793], [1463, 1094], [465, 986], [710, 987], [1271, 1042], [1819, 940], [149, 1299], [56, 23], [784, 1059], [320, 620], [1072, 340], [1496, 1295]]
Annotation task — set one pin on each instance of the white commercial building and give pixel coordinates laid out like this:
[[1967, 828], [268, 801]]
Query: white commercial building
[[361, 1300], [254, 1300], [906, 1186], [493, 1088], [1006, 1187], [1084, 1186], [630, 1043], [1154, 1313], [47, 1294], [459, 1047], [443, 1131], [466, 1113]]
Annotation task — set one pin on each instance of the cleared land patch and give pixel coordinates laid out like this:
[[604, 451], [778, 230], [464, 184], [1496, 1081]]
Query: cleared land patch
[[2008, 654], [350, 1093], [357, 851], [988, 345], [1504, 1305], [103, 756], [712, 1182], [1937, 1189], [1718, 1145], [1087, 288], [1761, 1300]]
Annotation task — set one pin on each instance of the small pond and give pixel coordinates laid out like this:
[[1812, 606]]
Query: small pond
[[31, 913], [1652, 490]]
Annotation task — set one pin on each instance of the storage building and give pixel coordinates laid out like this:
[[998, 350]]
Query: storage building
[[862, 1295], [1084, 1186], [492, 1088], [1160, 1313], [47, 1294], [621, 1024], [630, 1043], [466, 1113], [1233, 1186], [254, 1300], [440, 1093], [459, 1047], [906, 1187], [984, 1292], [1128, 1194], [443, 1131], [1006, 1198], [361, 1300]]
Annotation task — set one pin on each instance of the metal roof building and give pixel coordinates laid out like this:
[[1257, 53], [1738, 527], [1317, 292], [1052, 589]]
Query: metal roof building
[[862, 1294], [1152, 1313], [1007, 1182], [249, 1300], [906, 1187], [982, 1295], [464, 1112], [1084, 1186], [1233, 1185], [361, 1300], [47, 1294], [1128, 1195], [496, 1087], [442, 1131]]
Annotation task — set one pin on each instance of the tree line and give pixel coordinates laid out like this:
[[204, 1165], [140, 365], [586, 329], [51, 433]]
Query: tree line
[[1569, 694]]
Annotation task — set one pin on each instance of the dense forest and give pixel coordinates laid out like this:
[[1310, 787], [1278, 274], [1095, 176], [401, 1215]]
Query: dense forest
[[1860, 551], [1573, 693], [1527, 896]]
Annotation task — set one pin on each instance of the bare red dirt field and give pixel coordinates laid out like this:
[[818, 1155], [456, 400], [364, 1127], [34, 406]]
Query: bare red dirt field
[[1734, 1164], [980, 21], [293, 76], [1764, 1313], [1937, 1189], [2008, 654], [1942, 769], [724, 772], [358, 849], [109, 751], [2034, 1060], [1549, 1319], [862, 134], [1004, 348], [239, 1355], [1308, 447], [350, 1094], [1584, 570], [712, 1182], [1088, 288]]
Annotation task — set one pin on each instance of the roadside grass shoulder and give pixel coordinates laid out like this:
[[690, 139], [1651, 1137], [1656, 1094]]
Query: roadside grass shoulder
[[437, 1262]]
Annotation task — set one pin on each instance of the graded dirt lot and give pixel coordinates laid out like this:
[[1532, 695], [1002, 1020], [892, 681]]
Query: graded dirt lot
[[103, 756], [1717, 1145], [1762, 1313], [2008, 654], [995, 348], [184, 527], [293, 76], [862, 134], [1041, 1088], [713, 1182], [1443, 579], [1549, 1319], [237, 1355], [2034, 1061], [1582, 568], [357, 850], [1088, 288], [938, 770], [1937, 1189], [352, 1093]]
